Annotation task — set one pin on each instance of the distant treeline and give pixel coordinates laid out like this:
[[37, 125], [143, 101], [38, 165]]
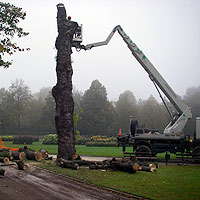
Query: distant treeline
[[22, 112]]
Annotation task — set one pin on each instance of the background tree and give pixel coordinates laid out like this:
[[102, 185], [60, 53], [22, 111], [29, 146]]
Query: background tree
[[126, 106], [10, 16], [192, 99], [150, 112], [97, 112], [18, 99], [47, 118], [77, 96], [3, 94]]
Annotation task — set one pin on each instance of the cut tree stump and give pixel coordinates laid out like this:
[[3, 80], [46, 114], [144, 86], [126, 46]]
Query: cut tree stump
[[62, 91], [3, 172], [22, 166], [4, 159]]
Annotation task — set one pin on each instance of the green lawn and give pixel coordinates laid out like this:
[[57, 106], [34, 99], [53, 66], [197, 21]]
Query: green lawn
[[81, 150], [168, 182]]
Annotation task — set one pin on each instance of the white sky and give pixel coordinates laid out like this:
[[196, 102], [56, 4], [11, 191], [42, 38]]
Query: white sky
[[168, 32]]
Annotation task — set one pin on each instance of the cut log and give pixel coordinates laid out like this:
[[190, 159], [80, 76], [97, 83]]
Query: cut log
[[124, 166], [49, 158], [99, 167], [6, 153], [68, 164], [4, 159], [18, 155], [31, 155], [86, 162], [44, 153], [136, 166], [106, 162], [8, 164], [22, 166], [146, 169], [76, 157], [3, 172], [153, 166]]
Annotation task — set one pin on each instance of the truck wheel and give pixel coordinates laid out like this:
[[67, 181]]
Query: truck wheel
[[143, 151], [133, 127], [196, 151]]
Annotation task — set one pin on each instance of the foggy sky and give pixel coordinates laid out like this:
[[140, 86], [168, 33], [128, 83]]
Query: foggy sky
[[168, 32]]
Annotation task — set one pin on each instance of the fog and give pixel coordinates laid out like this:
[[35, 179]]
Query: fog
[[168, 32]]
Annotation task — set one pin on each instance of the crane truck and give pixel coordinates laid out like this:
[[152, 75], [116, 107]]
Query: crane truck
[[144, 141]]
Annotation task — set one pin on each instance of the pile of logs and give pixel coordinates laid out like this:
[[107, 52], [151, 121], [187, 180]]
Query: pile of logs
[[130, 165], [17, 158]]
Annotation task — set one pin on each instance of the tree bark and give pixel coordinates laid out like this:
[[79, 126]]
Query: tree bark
[[62, 91], [18, 155], [68, 164], [31, 155], [22, 166]]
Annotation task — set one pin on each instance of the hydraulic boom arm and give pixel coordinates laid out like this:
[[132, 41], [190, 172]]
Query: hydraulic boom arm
[[184, 112]]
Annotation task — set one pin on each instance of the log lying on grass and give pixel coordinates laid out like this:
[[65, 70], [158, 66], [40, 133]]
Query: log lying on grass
[[68, 164], [130, 165], [22, 166], [44, 153], [127, 166], [32, 155], [6, 153], [3, 172], [18, 155], [146, 169], [86, 162], [99, 167], [4, 159]]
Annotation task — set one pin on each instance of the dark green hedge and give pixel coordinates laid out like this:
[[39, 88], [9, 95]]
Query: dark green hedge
[[25, 139]]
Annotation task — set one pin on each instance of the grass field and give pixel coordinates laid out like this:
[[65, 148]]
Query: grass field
[[168, 182], [81, 150]]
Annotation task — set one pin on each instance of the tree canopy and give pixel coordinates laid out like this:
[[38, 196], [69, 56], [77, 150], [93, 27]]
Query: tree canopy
[[10, 16], [95, 114]]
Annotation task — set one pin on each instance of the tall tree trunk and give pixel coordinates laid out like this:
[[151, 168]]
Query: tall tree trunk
[[62, 92]]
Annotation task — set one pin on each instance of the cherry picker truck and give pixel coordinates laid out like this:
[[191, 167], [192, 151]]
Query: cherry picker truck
[[172, 140]]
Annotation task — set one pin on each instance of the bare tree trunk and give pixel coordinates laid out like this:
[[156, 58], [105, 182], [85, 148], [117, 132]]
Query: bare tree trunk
[[62, 92]]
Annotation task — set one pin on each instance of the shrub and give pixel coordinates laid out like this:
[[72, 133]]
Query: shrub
[[101, 138], [101, 144], [25, 139], [7, 138], [82, 141], [50, 139], [35, 138]]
